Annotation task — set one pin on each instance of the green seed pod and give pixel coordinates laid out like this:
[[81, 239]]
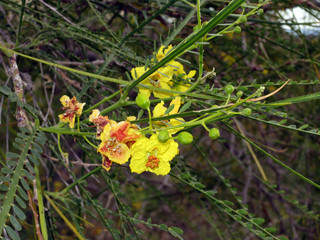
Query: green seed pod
[[246, 112], [229, 89], [237, 29], [163, 136], [185, 138], [214, 133], [143, 101]]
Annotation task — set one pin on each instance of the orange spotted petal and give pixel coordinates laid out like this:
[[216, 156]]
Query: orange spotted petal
[[119, 154], [120, 131]]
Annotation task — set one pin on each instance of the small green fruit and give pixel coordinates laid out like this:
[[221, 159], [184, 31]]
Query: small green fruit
[[229, 89], [163, 136], [246, 112], [185, 138], [214, 133], [143, 101]]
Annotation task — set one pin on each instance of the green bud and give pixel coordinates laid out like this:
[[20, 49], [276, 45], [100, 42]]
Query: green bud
[[239, 94], [243, 19], [229, 89], [214, 133], [185, 138], [246, 112], [143, 101], [260, 11], [237, 29], [163, 136]]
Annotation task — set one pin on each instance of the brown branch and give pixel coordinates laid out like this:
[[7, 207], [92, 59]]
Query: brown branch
[[35, 214]]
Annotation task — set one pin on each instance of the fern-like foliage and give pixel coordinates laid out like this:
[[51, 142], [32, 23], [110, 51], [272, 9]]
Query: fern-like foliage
[[20, 169]]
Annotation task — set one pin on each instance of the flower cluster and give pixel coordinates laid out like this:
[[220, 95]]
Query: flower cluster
[[121, 141], [170, 77], [73, 108]]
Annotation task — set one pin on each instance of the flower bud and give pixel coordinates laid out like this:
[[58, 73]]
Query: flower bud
[[237, 29], [185, 138], [143, 101], [239, 94], [229, 89], [214, 133], [246, 112], [163, 136], [243, 19]]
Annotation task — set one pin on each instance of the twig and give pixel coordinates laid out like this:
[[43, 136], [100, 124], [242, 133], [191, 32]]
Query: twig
[[35, 214], [56, 11], [74, 162], [68, 80], [69, 63]]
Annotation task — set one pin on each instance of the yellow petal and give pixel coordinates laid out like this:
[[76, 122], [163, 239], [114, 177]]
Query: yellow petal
[[165, 74], [191, 73], [137, 72], [79, 108], [71, 124], [159, 110], [120, 154], [145, 91], [177, 67], [166, 151], [160, 94], [94, 115], [105, 135], [175, 122], [131, 118], [177, 103], [65, 100]]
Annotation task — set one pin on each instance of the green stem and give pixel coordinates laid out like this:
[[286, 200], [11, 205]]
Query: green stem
[[200, 51], [66, 190], [78, 123], [102, 101], [42, 216], [90, 143], [59, 130], [150, 117]]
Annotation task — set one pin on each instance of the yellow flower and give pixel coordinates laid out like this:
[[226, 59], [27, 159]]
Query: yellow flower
[[159, 111], [148, 154], [117, 138], [161, 54], [99, 121], [72, 107], [159, 79], [181, 80]]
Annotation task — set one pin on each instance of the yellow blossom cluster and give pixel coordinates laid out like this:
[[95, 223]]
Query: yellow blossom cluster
[[121, 141], [72, 109], [170, 77]]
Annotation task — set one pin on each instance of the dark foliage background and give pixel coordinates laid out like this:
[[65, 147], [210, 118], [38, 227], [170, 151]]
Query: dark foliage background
[[96, 37]]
